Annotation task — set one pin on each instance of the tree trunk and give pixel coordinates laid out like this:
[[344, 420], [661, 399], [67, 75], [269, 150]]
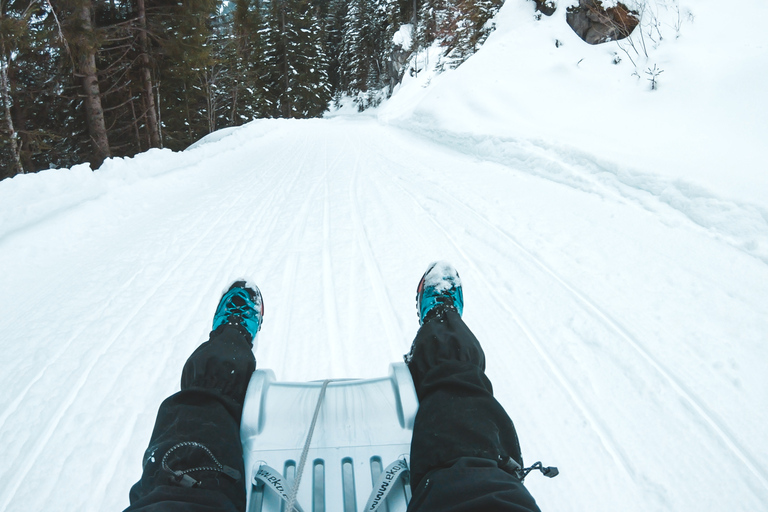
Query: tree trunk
[[136, 133], [94, 113], [152, 125], [6, 92], [286, 105]]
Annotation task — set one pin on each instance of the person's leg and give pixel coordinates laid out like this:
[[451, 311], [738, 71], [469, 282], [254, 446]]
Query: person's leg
[[199, 427], [194, 461], [458, 415], [463, 440]]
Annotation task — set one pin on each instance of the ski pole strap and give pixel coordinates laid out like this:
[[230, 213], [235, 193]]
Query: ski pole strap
[[385, 484], [272, 479]]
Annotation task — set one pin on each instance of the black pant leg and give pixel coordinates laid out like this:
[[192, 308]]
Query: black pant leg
[[205, 412], [460, 428]]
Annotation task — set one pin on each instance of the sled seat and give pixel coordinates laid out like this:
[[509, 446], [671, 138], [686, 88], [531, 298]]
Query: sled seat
[[362, 426]]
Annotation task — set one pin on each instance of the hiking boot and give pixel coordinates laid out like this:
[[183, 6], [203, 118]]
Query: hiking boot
[[241, 306], [438, 290]]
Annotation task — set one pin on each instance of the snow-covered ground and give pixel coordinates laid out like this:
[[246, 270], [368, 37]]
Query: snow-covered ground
[[622, 303]]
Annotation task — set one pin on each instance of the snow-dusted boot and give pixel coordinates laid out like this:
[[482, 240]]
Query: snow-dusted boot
[[241, 306], [438, 290]]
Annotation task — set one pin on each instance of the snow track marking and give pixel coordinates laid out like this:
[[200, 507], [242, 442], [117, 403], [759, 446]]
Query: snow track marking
[[269, 201], [66, 404], [331, 317], [383, 305], [13, 406], [702, 211], [70, 398], [602, 315], [564, 300], [451, 204], [610, 444], [293, 247]]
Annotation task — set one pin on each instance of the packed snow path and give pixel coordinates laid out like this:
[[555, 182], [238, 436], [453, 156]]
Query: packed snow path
[[627, 342]]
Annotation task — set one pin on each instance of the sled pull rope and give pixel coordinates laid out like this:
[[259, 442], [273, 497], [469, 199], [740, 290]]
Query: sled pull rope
[[300, 469]]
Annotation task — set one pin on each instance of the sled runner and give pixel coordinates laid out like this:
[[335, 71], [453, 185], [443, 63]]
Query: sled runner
[[345, 442]]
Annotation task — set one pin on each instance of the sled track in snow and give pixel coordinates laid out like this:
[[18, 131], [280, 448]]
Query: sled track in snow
[[70, 398], [329, 294], [716, 426], [235, 229], [610, 444], [63, 347], [384, 305]]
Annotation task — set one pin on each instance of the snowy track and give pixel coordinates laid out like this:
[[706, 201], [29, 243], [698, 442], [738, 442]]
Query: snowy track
[[627, 343]]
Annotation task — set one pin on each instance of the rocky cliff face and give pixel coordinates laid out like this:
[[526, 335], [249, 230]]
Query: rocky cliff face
[[594, 23]]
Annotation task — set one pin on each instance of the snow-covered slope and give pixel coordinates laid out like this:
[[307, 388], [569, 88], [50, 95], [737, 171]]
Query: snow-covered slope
[[538, 81], [623, 310]]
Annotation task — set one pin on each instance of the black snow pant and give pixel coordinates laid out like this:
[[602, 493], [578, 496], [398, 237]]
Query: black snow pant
[[462, 437], [199, 423]]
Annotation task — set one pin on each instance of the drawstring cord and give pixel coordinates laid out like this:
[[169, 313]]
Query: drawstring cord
[[549, 472], [514, 468], [183, 478]]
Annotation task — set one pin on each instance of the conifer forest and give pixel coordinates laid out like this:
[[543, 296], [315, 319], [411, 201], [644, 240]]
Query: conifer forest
[[85, 80]]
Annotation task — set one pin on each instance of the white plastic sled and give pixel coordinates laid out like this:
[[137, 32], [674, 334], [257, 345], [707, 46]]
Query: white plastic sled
[[359, 435]]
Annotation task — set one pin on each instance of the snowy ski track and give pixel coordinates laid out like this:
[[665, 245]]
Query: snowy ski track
[[624, 340]]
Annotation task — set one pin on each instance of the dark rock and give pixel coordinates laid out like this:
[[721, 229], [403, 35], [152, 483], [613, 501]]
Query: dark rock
[[595, 24], [395, 66], [546, 7]]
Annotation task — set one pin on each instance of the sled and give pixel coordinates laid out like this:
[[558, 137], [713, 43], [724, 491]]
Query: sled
[[360, 436]]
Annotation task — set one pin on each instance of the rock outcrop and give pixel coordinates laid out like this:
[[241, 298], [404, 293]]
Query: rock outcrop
[[596, 24], [546, 7]]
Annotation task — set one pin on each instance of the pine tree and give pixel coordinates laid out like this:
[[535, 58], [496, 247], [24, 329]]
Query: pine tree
[[186, 66], [378, 44], [153, 125], [365, 50], [247, 98], [311, 84], [471, 29], [83, 43], [43, 93], [460, 26], [296, 75], [353, 68], [47, 108], [167, 74], [13, 25], [335, 17], [125, 61]]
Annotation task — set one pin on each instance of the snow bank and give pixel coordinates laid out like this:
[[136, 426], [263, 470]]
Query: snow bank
[[404, 37], [30, 198], [703, 129]]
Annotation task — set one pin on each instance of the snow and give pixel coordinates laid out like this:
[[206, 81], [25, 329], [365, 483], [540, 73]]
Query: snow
[[441, 276], [404, 37], [704, 123], [612, 243]]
